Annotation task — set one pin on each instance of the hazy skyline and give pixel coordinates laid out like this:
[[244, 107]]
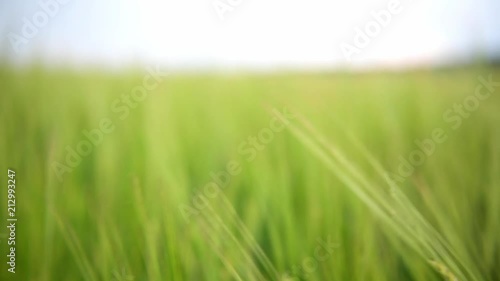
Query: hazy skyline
[[253, 33]]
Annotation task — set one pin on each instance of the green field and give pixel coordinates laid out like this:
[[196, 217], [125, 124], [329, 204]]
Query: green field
[[252, 177]]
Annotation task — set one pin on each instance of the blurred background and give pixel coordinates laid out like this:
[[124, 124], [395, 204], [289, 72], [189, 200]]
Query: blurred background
[[249, 140], [248, 35]]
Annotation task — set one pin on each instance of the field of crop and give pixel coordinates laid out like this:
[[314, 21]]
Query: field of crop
[[327, 176]]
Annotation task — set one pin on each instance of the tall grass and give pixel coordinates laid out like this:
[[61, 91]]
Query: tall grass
[[116, 215]]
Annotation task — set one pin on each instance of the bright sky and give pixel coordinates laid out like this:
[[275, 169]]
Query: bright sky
[[257, 34]]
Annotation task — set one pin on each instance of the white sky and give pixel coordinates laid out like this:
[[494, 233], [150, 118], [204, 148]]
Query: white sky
[[256, 34]]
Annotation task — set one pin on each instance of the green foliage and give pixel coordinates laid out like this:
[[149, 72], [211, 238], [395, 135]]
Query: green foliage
[[117, 215]]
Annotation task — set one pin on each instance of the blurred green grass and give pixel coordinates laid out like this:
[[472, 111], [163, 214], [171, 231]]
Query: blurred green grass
[[116, 215]]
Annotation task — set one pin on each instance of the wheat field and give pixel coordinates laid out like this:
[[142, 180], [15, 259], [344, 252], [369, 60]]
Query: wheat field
[[291, 176]]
